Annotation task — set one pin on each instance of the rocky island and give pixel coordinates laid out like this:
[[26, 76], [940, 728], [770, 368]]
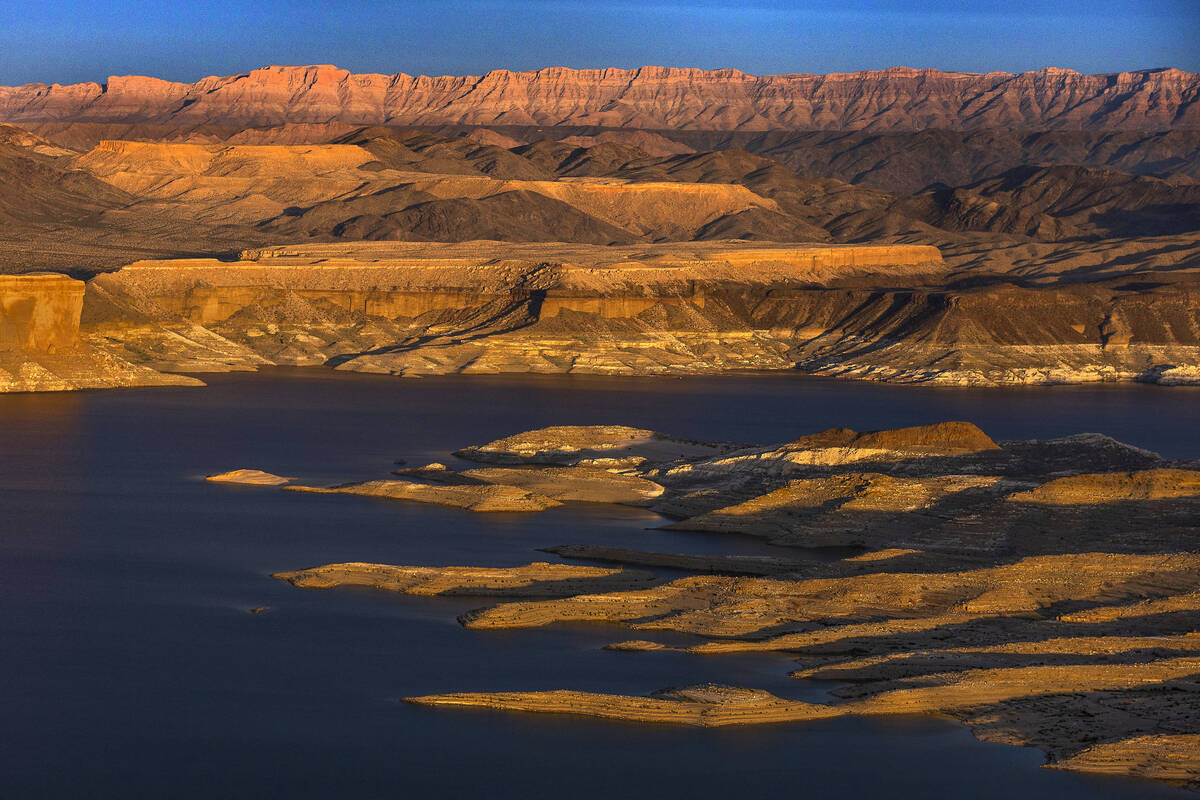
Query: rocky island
[[1042, 592]]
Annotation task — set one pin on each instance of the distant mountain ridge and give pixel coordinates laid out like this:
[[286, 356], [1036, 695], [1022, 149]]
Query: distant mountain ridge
[[650, 98]]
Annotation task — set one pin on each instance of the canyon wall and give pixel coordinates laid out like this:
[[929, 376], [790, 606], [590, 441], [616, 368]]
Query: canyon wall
[[40, 345], [868, 312], [417, 309], [646, 98], [39, 312]]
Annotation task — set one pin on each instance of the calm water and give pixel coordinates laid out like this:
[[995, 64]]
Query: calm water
[[132, 667]]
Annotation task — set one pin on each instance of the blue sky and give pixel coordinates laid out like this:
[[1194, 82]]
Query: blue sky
[[78, 40]]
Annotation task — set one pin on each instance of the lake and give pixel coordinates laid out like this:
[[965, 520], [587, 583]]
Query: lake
[[133, 668]]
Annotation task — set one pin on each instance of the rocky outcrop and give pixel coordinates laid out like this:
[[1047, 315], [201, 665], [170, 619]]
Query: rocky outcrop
[[721, 564], [1161, 757], [39, 312], [1115, 487], [579, 484], [646, 98], [1042, 652], [850, 509], [736, 609], [409, 309], [973, 502], [705, 706], [591, 445], [472, 497], [1001, 584], [538, 579], [40, 345], [710, 706], [250, 477], [1111, 331]]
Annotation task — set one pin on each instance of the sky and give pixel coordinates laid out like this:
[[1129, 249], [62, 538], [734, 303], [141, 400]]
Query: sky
[[68, 41]]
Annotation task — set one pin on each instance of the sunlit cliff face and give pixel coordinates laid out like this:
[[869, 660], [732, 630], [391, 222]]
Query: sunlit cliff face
[[647, 98], [39, 313]]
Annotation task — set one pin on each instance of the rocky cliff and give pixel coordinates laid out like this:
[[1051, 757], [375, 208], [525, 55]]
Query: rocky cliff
[[39, 312], [40, 348], [413, 309], [645, 98]]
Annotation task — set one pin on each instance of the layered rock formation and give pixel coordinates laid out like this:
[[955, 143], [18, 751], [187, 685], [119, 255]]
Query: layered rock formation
[[39, 312], [482, 497], [485, 308], [998, 583], [539, 579], [1175, 759], [249, 477], [907, 162], [1104, 331], [647, 98], [40, 347], [411, 309], [1042, 274]]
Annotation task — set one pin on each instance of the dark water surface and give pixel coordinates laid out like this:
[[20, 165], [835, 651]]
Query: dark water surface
[[131, 667]]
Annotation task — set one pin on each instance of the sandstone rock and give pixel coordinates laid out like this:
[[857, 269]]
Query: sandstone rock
[[409, 309], [253, 477], [863, 509], [1172, 758], [1042, 652], [39, 312], [405, 309], [635, 645], [1005, 588], [40, 346], [1185, 602], [703, 706], [721, 564], [539, 579], [483, 498], [571, 444], [649, 98], [943, 438], [1150, 484], [580, 484], [742, 607], [713, 705]]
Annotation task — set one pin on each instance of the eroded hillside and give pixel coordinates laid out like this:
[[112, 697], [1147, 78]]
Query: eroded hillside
[[1066, 253]]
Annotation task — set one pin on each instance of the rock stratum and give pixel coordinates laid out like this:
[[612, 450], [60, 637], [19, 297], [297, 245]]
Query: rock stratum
[[1042, 592], [40, 346], [482, 308], [646, 98], [1027, 238]]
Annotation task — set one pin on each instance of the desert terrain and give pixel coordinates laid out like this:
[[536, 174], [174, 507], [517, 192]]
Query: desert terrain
[[1027, 229], [900, 226]]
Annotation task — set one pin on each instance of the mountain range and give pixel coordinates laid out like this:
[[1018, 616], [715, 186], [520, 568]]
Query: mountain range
[[649, 98]]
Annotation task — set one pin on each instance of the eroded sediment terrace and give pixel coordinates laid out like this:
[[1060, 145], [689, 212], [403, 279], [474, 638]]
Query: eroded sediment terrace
[[40, 345], [408, 279], [420, 308]]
